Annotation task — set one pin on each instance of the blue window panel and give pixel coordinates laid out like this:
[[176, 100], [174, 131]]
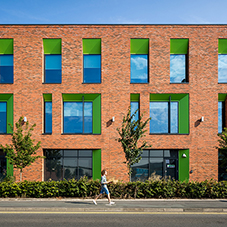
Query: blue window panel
[[174, 117], [139, 68], [88, 117], [220, 116], [222, 68], [48, 117], [3, 117], [53, 69], [177, 68], [73, 117], [92, 68], [6, 69], [134, 107], [159, 117]]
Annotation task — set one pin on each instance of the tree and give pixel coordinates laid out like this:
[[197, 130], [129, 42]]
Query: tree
[[130, 133], [21, 153], [222, 147]]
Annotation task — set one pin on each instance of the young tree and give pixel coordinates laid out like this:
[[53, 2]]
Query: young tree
[[21, 153], [130, 133], [222, 147]]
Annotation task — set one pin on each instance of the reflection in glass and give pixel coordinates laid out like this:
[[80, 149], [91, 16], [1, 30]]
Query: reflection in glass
[[177, 68], [53, 68], [140, 170], [3, 117], [220, 116], [6, 69], [139, 68], [92, 68], [159, 117], [174, 117], [134, 107], [156, 166], [48, 117], [222, 68]]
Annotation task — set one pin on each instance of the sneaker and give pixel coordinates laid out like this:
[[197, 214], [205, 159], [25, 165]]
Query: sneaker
[[111, 203], [94, 202]]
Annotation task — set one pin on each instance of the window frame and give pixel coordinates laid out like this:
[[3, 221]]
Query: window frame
[[5, 132], [12, 68]]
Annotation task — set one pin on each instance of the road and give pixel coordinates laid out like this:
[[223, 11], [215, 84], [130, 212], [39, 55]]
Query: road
[[10, 219]]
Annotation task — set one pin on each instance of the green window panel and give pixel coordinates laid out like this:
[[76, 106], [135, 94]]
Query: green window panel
[[91, 46], [6, 46], [139, 46], [96, 114], [134, 97], [9, 171], [9, 99], [96, 165], [221, 97], [47, 97], [183, 102], [183, 165], [179, 46], [222, 46], [52, 46]]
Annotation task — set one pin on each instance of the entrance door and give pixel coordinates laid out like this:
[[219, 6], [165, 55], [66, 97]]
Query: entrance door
[[2, 166], [170, 168]]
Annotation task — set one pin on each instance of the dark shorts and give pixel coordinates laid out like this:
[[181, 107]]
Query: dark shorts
[[104, 190]]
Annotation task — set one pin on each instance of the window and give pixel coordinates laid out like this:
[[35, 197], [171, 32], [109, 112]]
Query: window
[[47, 113], [3, 117], [6, 61], [169, 114], [221, 112], [135, 105], [6, 113], [222, 61], [178, 60], [67, 164], [222, 163], [139, 60], [92, 60], [52, 60], [82, 113]]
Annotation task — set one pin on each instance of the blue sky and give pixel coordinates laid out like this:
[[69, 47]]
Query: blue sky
[[113, 12]]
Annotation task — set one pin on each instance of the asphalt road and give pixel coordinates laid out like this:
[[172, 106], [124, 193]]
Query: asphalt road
[[109, 220]]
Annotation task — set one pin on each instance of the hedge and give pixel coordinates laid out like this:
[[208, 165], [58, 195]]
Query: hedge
[[85, 188]]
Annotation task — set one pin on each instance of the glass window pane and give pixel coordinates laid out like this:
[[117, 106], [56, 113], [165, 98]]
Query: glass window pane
[[85, 153], [3, 117], [156, 166], [139, 68], [159, 117], [140, 170], [70, 153], [134, 107], [73, 117], [85, 167], [170, 153], [52, 68], [70, 168], [53, 62], [92, 68], [177, 68], [48, 117], [174, 117], [220, 117], [156, 153], [88, 117], [222, 68], [6, 69]]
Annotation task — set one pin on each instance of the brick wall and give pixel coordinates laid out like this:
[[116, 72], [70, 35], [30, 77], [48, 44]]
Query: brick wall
[[115, 89]]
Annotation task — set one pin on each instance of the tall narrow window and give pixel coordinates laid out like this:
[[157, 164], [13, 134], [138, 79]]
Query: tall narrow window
[[47, 113], [3, 117], [169, 113], [92, 60], [178, 60], [52, 60], [139, 60], [222, 61], [6, 61], [134, 98], [221, 116]]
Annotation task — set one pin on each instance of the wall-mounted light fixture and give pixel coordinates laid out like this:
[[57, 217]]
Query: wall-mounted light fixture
[[184, 156], [202, 119], [25, 119], [113, 119]]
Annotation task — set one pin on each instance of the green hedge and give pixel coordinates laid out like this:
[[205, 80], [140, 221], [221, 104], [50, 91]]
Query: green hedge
[[88, 188]]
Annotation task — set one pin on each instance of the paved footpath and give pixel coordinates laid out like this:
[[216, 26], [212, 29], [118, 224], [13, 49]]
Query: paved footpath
[[121, 205]]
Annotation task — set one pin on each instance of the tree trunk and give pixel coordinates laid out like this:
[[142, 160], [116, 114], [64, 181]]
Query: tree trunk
[[20, 175]]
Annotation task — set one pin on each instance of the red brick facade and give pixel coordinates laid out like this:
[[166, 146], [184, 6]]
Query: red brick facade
[[115, 89]]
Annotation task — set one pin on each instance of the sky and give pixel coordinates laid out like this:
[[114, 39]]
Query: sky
[[113, 12]]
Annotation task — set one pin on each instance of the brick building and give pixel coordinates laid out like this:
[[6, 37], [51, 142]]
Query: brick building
[[77, 81]]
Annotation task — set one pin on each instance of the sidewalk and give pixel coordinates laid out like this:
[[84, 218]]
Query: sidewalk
[[121, 205]]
